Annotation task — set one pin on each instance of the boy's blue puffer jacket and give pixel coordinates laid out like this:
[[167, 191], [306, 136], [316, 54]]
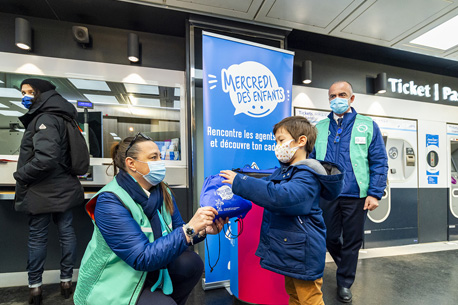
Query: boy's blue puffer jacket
[[293, 234]]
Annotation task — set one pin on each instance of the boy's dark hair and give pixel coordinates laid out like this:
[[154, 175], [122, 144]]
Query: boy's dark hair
[[299, 126]]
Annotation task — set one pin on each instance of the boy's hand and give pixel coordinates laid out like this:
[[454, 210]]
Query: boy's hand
[[229, 175], [217, 226]]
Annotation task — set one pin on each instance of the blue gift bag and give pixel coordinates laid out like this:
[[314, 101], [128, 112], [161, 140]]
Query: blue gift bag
[[219, 195]]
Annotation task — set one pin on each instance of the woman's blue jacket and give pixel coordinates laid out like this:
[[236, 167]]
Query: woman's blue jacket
[[125, 237]]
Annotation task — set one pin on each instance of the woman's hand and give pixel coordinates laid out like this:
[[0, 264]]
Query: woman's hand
[[202, 218], [229, 175], [217, 226]]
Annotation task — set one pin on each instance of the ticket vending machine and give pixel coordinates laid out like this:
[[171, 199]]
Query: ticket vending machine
[[452, 133], [401, 163], [394, 222]]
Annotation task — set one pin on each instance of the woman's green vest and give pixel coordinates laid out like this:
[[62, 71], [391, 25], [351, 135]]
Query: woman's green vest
[[106, 279], [362, 129]]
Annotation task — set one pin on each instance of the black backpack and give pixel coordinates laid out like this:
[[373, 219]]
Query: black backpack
[[79, 153]]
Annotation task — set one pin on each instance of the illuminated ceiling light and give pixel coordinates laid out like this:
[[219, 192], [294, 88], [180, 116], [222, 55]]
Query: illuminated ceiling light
[[306, 72], [102, 99], [10, 93], [145, 102], [85, 84], [133, 47], [143, 89], [440, 37], [19, 104], [11, 113], [131, 128], [23, 34]]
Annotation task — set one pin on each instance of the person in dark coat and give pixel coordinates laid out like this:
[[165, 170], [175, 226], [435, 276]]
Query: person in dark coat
[[45, 188]]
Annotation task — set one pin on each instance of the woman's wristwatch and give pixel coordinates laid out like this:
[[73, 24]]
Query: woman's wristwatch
[[190, 232]]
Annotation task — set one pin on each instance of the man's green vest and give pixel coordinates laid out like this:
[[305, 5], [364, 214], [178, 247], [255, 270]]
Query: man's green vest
[[361, 137], [106, 279]]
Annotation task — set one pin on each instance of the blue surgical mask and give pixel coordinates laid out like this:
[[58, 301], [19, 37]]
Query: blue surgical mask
[[339, 105], [156, 172], [27, 101]]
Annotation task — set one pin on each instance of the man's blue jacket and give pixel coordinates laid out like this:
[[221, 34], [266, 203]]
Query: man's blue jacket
[[293, 233], [339, 153]]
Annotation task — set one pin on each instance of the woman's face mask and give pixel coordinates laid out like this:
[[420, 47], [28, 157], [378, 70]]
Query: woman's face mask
[[27, 100], [156, 172], [339, 105], [285, 152]]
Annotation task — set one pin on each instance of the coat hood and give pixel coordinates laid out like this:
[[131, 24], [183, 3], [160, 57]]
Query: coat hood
[[49, 101], [330, 175]]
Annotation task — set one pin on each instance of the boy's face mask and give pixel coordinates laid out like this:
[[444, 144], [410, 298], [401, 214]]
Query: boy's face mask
[[285, 152]]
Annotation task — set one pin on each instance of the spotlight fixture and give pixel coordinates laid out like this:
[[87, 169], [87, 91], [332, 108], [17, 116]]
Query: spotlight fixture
[[133, 47], [306, 71], [23, 34], [380, 83]]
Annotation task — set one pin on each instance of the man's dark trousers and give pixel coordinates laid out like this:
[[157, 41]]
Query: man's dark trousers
[[344, 219]]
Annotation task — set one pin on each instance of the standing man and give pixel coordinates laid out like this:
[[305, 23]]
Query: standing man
[[353, 141]]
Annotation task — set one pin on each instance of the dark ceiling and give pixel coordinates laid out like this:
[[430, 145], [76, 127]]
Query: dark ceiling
[[109, 13], [142, 18]]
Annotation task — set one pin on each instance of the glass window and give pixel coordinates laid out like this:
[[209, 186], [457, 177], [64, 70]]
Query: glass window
[[120, 109]]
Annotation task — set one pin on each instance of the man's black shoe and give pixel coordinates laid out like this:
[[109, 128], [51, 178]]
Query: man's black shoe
[[344, 294]]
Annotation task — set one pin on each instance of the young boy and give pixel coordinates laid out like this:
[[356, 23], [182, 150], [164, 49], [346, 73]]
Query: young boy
[[293, 234]]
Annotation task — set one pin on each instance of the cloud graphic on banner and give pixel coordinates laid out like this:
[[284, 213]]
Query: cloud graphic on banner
[[253, 88]]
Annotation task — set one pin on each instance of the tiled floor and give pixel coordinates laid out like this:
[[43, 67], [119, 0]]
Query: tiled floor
[[425, 274]]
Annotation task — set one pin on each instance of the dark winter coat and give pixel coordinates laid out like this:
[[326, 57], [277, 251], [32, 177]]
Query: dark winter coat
[[44, 183], [293, 233]]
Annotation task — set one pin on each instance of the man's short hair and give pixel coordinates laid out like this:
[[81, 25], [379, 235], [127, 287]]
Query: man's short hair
[[299, 126], [344, 81]]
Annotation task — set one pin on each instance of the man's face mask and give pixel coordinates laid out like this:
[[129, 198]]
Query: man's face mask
[[339, 105]]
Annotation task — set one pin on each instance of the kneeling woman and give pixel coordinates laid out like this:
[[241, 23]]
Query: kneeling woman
[[139, 253]]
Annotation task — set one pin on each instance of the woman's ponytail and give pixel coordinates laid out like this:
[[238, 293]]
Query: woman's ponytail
[[114, 156]]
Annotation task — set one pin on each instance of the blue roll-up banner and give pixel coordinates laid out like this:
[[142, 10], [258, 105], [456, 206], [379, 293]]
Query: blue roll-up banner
[[246, 91]]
